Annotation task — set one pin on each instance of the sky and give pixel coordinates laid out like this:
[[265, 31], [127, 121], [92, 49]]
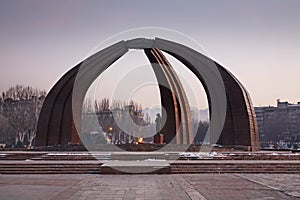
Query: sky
[[258, 41]]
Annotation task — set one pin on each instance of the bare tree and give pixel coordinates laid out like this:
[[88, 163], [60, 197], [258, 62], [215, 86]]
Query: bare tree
[[7, 132], [117, 104], [104, 104], [147, 118], [87, 106], [21, 92], [21, 106], [112, 117]]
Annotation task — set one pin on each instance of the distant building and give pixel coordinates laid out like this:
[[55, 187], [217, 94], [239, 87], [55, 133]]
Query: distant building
[[279, 125]]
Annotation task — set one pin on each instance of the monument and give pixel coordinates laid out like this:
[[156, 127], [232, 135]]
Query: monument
[[62, 106]]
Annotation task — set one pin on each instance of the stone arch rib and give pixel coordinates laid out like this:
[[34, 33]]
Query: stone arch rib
[[53, 111], [176, 105]]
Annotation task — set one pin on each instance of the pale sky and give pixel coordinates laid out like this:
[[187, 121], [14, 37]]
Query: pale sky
[[258, 41]]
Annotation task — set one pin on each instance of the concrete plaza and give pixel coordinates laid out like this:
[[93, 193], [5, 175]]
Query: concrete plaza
[[154, 186]]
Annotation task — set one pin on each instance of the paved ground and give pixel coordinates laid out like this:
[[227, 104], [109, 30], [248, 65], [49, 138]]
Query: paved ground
[[189, 186]]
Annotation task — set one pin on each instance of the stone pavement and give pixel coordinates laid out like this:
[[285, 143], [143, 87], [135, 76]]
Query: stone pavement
[[127, 187]]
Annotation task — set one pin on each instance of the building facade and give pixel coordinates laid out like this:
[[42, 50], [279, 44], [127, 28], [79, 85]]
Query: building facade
[[279, 126]]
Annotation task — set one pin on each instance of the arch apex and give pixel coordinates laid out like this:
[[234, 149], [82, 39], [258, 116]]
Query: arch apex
[[140, 43]]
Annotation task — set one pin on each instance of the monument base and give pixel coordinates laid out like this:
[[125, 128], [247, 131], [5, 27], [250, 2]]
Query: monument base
[[145, 147]]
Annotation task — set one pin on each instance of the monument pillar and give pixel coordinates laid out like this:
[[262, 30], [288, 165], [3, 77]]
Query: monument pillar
[[177, 118]]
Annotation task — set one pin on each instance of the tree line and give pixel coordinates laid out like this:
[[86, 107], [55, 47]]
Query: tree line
[[20, 107], [19, 111], [118, 122]]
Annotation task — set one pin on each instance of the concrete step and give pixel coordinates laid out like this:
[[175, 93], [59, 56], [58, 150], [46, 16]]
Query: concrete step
[[32, 155], [136, 167], [58, 171], [20, 155], [56, 157], [137, 162], [36, 167], [235, 167]]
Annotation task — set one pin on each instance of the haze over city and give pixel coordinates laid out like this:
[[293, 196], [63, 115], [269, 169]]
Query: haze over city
[[257, 41]]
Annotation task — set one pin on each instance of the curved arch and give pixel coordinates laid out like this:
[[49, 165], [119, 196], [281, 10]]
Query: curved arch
[[230, 105], [50, 122], [178, 122]]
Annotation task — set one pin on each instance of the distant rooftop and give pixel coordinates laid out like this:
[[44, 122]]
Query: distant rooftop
[[282, 104]]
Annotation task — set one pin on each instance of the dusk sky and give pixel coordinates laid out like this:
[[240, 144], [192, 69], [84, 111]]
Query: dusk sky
[[258, 41]]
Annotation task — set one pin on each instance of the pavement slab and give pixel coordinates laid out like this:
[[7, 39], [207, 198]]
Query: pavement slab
[[154, 186]]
